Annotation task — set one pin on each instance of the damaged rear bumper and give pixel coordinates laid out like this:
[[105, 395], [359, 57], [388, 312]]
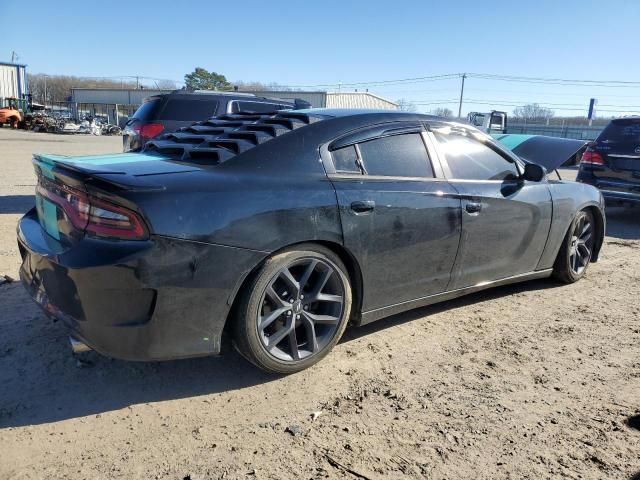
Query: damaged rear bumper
[[135, 300]]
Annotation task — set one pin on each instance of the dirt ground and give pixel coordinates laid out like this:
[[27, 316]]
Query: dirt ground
[[536, 380]]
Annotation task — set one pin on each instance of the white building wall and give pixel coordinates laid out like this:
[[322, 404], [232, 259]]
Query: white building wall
[[359, 100], [13, 81]]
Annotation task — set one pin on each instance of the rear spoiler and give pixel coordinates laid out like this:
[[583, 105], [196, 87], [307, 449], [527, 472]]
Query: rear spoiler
[[54, 166], [550, 152]]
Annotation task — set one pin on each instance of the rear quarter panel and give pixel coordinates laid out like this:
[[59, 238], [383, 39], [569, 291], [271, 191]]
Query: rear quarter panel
[[271, 196]]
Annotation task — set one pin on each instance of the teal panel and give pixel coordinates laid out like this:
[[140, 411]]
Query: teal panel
[[511, 141], [45, 167], [95, 160], [49, 218]]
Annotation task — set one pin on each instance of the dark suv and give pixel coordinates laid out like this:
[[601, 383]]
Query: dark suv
[[612, 161], [171, 111]]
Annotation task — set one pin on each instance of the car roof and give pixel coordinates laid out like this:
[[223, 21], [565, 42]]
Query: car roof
[[227, 95]]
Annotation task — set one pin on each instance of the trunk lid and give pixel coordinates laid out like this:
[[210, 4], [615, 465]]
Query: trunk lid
[[550, 152], [72, 189]]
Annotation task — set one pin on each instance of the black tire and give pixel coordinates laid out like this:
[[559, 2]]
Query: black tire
[[577, 249], [272, 306]]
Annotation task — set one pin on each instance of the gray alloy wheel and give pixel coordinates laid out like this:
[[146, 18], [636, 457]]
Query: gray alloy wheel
[[576, 250], [296, 310], [301, 309], [581, 245]]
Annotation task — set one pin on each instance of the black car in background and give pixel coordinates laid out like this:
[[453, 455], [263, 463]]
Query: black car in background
[[168, 112], [279, 230], [612, 162]]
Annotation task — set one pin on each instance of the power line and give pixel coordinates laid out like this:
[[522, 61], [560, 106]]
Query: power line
[[512, 78], [482, 76], [430, 78]]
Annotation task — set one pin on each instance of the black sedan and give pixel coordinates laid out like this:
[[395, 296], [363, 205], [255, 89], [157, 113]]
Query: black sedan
[[279, 230]]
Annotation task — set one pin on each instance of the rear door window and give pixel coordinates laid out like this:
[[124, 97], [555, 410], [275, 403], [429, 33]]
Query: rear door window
[[470, 159], [398, 156], [257, 107], [345, 159], [187, 109]]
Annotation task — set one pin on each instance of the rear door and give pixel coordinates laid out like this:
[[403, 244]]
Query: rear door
[[400, 218], [505, 220], [619, 146]]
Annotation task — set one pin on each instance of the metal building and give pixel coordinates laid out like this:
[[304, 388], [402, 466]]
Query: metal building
[[113, 96], [359, 100], [319, 99], [13, 80]]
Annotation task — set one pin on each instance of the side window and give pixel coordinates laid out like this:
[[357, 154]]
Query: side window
[[469, 159], [256, 107], [192, 110], [345, 159], [398, 156]]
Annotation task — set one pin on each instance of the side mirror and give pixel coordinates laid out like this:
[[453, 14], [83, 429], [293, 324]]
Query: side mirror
[[534, 172]]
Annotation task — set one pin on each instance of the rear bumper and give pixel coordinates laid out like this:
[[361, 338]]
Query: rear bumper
[[618, 196], [153, 300], [612, 191]]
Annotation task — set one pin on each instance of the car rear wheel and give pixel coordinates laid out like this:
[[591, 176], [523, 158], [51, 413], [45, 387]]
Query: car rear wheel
[[576, 250], [294, 310]]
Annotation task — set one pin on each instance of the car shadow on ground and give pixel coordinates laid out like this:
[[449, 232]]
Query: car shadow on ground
[[623, 222], [16, 203], [45, 383], [411, 315], [42, 382]]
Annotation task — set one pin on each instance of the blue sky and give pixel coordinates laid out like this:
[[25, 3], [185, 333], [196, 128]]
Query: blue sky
[[312, 43]]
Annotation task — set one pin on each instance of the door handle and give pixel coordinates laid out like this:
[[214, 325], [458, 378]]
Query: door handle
[[473, 207], [363, 206]]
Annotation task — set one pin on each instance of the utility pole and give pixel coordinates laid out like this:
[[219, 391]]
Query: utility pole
[[137, 82], [45, 93], [14, 56], [464, 75]]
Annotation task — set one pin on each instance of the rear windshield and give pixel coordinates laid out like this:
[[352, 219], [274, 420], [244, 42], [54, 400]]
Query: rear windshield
[[187, 109], [146, 110], [622, 131]]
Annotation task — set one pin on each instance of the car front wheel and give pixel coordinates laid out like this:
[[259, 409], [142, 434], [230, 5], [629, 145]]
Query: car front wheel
[[294, 311]]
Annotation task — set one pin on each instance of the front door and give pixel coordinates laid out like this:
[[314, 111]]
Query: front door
[[505, 220]]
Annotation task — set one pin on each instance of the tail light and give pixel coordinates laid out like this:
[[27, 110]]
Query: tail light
[[591, 158], [92, 215], [150, 130]]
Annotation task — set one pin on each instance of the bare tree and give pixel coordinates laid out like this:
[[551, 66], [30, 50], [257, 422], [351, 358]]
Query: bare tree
[[58, 87], [405, 105], [533, 112], [165, 85], [442, 112], [254, 86]]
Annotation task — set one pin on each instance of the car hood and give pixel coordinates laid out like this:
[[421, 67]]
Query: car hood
[[550, 152]]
